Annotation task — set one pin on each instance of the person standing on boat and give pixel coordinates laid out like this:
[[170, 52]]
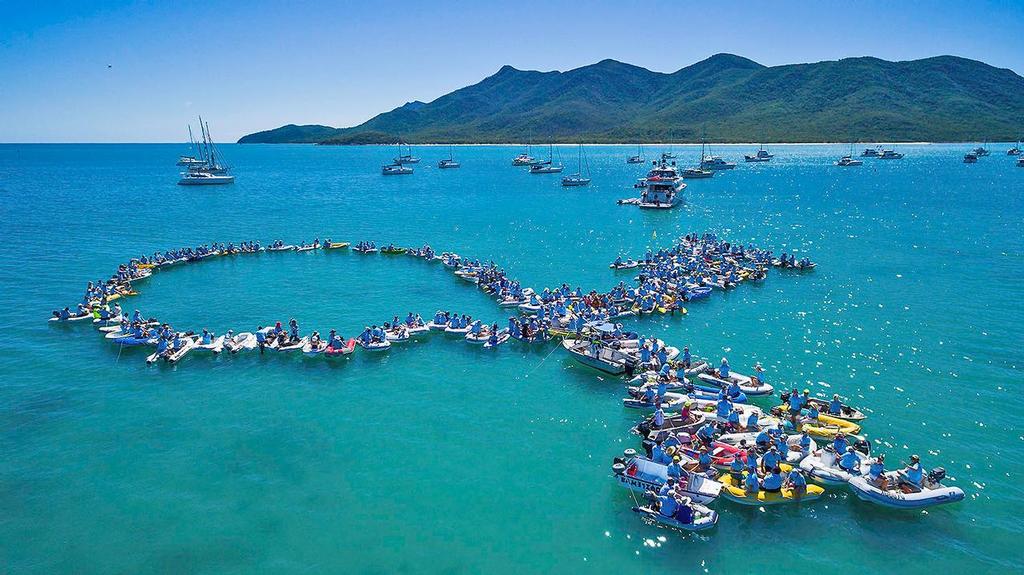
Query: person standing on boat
[[839, 444], [723, 370], [686, 357], [849, 461], [659, 418]]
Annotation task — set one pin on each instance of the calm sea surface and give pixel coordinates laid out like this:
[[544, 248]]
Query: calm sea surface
[[441, 457]]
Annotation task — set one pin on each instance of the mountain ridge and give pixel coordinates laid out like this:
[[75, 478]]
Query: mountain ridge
[[729, 97]]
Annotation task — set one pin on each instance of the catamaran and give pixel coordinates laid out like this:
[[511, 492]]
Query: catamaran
[[663, 187], [762, 155], [638, 158], [578, 179], [450, 162], [698, 172], [547, 166], [848, 160]]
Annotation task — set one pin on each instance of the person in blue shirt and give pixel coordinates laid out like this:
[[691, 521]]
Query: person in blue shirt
[[835, 407], [751, 485], [704, 460], [736, 469], [662, 389], [657, 453], [667, 505], [849, 461], [839, 444], [723, 408], [659, 418], [752, 421], [649, 395], [772, 482], [707, 433], [805, 442], [674, 468], [663, 357], [723, 370], [645, 354], [912, 472], [796, 403], [759, 374], [770, 459], [797, 483], [876, 472], [812, 413], [668, 487], [734, 419], [782, 444], [686, 357], [763, 440], [665, 371], [733, 390]]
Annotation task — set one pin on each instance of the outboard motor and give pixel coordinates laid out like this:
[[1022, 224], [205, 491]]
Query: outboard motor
[[936, 475], [862, 445], [648, 447]]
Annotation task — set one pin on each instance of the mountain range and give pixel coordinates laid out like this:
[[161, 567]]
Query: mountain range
[[726, 97]]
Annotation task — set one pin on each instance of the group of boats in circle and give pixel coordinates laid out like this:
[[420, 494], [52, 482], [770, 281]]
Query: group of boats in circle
[[704, 438]]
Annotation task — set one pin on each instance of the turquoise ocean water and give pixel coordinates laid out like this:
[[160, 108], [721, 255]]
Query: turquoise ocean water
[[441, 457]]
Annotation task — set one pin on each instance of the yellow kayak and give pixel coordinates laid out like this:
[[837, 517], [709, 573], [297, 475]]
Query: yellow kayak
[[737, 493], [146, 266], [826, 427]]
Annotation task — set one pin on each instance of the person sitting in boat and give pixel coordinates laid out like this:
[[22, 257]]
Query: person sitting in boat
[[797, 483], [707, 433], [912, 472], [686, 357], [333, 341], [207, 337], [704, 459], [849, 461], [752, 420], [685, 411], [659, 418], [278, 329], [476, 328], [734, 420], [410, 319], [811, 414], [733, 390], [378, 334], [805, 442], [723, 370], [839, 444], [835, 407], [763, 441], [658, 454], [161, 347], [675, 470], [772, 482], [723, 408], [796, 403], [367, 336], [662, 356], [771, 458], [759, 375], [314, 339], [751, 486], [650, 396], [876, 472], [736, 468]]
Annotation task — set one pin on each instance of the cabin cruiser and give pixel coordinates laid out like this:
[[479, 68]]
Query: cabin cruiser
[[869, 153], [890, 155], [523, 160], [971, 158], [663, 187], [697, 173], [762, 155], [849, 161], [716, 163], [1014, 151], [980, 151]]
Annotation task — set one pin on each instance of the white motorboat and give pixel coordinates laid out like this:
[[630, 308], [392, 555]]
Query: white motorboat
[[395, 170]]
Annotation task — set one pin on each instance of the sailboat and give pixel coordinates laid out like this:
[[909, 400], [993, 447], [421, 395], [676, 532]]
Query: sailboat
[[524, 159], [578, 179], [698, 172], [190, 160], [1014, 151], [668, 155], [638, 158], [547, 166], [450, 162], [848, 160], [397, 168], [981, 150], [208, 171], [406, 158]]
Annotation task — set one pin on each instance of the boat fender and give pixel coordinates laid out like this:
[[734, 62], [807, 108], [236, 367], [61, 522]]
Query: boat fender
[[629, 453], [619, 468]]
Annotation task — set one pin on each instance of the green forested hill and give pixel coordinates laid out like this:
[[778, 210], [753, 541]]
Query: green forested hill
[[734, 99]]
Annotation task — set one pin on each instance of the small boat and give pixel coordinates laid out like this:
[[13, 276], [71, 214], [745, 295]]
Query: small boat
[[890, 155], [189, 343], [336, 245], [376, 345], [305, 248], [640, 474], [578, 179], [901, 494], [701, 517], [746, 383], [793, 457], [393, 251], [348, 348], [241, 341], [848, 161], [637, 158], [697, 173], [449, 163], [608, 360], [733, 490], [869, 153], [73, 317], [216, 345], [1014, 151], [311, 350], [189, 161], [822, 466], [762, 155], [281, 248], [971, 158], [293, 345], [204, 179], [395, 170], [980, 151], [624, 265], [523, 160]]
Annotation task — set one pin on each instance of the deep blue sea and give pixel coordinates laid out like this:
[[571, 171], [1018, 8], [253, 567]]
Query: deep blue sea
[[441, 457]]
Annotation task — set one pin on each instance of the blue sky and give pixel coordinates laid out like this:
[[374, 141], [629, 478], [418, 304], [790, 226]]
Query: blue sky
[[252, 66]]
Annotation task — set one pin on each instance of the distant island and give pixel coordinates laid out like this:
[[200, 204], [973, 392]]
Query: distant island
[[728, 97]]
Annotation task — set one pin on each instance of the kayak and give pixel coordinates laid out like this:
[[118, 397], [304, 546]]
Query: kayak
[[350, 346], [901, 494], [733, 490], [702, 518]]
